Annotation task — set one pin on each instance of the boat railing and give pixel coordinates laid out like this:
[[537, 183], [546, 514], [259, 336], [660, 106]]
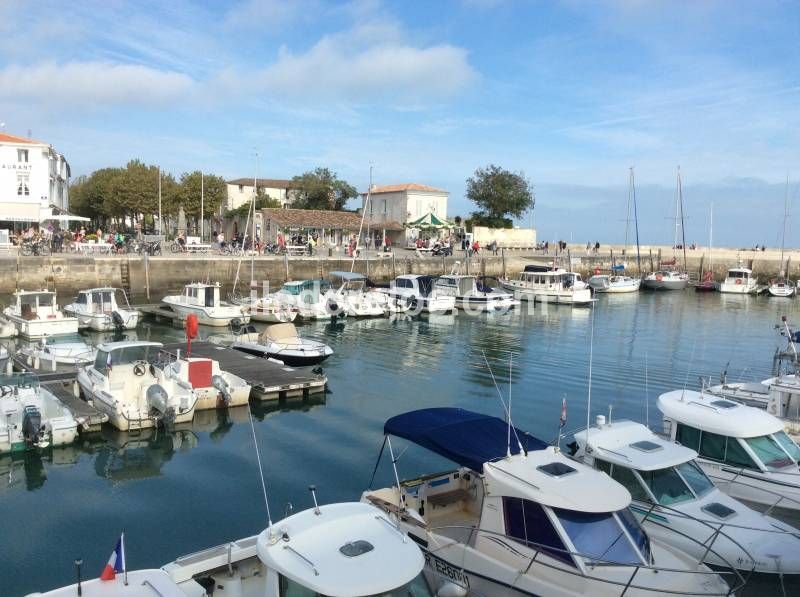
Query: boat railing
[[779, 498], [630, 584]]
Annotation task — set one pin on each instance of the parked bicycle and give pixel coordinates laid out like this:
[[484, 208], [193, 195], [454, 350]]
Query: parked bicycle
[[37, 246]]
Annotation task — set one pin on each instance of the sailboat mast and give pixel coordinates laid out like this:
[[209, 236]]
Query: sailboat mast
[[711, 239], [785, 216], [628, 212], [253, 237], [636, 223], [683, 227]]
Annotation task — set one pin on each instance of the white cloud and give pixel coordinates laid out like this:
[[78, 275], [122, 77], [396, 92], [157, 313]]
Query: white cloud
[[92, 84], [267, 15]]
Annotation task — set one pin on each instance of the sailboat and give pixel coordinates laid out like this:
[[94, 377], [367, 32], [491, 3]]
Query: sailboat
[[617, 281], [782, 286], [669, 277], [707, 284]]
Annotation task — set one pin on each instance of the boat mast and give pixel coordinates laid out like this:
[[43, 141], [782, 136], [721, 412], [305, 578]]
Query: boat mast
[[628, 213], [253, 237], [636, 223], [683, 227], [361, 225], [785, 215], [711, 240]]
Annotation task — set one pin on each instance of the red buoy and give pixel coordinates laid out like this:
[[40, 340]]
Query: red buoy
[[191, 332]]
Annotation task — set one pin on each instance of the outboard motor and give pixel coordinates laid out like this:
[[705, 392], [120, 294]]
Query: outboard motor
[[32, 429], [222, 387], [157, 398], [117, 320]]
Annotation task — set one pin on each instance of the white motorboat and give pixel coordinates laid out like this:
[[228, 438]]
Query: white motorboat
[[354, 298], [31, 417], [518, 518], [739, 280], [313, 299], [781, 287], [4, 358], [744, 450], [48, 355], [98, 309], [124, 384], [7, 328], [282, 342], [421, 294], [35, 313], [679, 505], [212, 387], [203, 301], [614, 283], [269, 309], [472, 296], [549, 284], [343, 549], [666, 279]]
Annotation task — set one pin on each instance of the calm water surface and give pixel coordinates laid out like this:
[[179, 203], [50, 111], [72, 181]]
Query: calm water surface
[[176, 493]]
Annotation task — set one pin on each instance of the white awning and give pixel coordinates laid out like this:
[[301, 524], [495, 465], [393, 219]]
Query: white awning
[[47, 215], [19, 211]]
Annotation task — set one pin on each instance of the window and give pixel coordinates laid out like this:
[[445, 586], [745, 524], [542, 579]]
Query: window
[[736, 455], [385, 211], [241, 188], [22, 155], [527, 522], [640, 538], [712, 446], [602, 465], [787, 444], [599, 538], [101, 361], [23, 185], [667, 486], [688, 436], [80, 299], [769, 452], [695, 477], [625, 477]]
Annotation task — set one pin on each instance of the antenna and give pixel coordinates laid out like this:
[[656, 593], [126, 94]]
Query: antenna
[[591, 358], [503, 402], [646, 395], [260, 470], [510, 361]]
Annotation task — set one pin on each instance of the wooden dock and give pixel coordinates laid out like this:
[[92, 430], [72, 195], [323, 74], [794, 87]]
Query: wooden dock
[[270, 379], [89, 418], [161, 312]]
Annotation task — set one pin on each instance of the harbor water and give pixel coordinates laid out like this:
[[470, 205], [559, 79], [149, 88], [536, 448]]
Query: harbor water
[[178, 492]]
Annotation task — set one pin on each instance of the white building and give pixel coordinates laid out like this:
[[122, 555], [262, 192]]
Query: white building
[[34, 179], [392, 206], [240, 191]]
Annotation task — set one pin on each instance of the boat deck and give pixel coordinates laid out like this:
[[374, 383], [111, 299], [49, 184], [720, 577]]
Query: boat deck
[[270, 379], [87, 415]]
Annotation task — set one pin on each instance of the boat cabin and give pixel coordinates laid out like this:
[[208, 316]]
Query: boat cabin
[[458, 285], [727, 432], [36, 304], [98, 300], [414, 285], [305, 291], [551, 279], [349, 281], [123, 356], [201, 295], [739, 273]]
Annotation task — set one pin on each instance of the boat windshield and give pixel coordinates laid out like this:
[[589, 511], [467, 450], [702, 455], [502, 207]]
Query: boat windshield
[[768, 451], [23, 380], [695, 477], [667, 486], [122, 356], [601, 539], [787, 444], [416, 588]]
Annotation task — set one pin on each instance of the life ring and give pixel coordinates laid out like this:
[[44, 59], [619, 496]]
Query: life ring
[[659, 277], [738, 280], [597, 271]]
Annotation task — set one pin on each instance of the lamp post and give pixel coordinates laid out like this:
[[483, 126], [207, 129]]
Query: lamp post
[[78, 563]]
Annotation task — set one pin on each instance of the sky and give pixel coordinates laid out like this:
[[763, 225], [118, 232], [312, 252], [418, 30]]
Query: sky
[[573, 93]]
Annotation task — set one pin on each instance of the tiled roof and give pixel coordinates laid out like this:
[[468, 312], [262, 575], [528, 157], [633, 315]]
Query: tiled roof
[[6, 138], [264, 183], [392, 225], [313, 218], [409, 186]]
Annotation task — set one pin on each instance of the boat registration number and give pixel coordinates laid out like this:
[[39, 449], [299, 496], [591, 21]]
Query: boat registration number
[[443, 568]]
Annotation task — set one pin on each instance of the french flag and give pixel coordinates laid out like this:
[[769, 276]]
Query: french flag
[[116, 562], [108, 362]]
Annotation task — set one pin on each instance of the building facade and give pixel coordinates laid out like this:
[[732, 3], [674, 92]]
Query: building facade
[[34, 180], [240, 191], [391, 207]]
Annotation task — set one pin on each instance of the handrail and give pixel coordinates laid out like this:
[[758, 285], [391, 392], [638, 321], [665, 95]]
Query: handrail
[[735, 480], [302, 557]]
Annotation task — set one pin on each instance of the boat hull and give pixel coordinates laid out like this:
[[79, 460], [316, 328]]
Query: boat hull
[[566, 297], [38, 328], [219, 317], [781, 291], [651, 284], [289, 357], [101, 322], [728, 288]]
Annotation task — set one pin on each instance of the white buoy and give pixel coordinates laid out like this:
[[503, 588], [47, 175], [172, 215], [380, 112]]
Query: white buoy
[[450, 589]]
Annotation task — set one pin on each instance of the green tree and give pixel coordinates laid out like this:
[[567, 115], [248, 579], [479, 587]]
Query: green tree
[[193, 186], [321, 189], [499, 194], [263, 201]]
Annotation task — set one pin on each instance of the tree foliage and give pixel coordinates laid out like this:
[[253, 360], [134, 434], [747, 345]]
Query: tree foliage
[[195, 185], [263, 201], [498, 193], [321, 189]]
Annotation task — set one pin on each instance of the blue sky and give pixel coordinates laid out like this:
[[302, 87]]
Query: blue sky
[[571, 92]]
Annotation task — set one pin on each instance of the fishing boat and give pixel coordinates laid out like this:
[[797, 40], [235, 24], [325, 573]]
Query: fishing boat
[[124, 384], [345, 549], [282, 342], [471, 295], [518, 518], [679, 505], [549, 284], [744, 450], [669, 277], [35, 313], [98, 309], [31, 417], [781, 286], [213, 388], [203, 300], [421, 294], [739, 280]]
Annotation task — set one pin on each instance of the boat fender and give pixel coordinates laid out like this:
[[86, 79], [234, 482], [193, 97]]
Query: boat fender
[[738, 280], [451, 589], [659, 277], [597, 271]]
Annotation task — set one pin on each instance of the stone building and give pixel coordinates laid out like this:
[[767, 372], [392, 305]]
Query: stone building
[[390, 207], [240, 191]]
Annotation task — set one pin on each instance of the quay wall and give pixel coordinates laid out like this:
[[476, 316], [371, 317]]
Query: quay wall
[[149, 279]]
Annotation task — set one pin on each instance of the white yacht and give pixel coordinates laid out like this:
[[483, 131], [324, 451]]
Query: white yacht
[[472, 296], [35, 313], [744, 450], [124, 384], [212, 387], [421, 294], [203, 300], [548, 284], [269, 309], [282, 342], [679, 505], [31, 417], [313, 299], [339, 550], [781, 287], [354, 298], [518, 518], [666, 279], [614, 283], [98, 309], [739, 280]]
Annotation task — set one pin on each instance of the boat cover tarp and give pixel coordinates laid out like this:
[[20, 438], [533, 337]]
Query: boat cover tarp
[[617, 268], [465, 437]]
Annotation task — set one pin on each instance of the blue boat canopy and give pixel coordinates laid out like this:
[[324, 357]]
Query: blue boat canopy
[[463, 436], [617, 268]]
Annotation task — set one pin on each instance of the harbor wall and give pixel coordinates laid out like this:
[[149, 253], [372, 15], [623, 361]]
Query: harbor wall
[[149, 279]]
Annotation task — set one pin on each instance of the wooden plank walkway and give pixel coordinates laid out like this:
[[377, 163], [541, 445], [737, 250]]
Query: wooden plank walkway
[[270, 379], [87, 415], [45, 375]]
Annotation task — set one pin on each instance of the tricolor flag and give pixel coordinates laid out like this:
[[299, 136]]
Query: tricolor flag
[[108, 362], [563, 420], [116, 562]]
